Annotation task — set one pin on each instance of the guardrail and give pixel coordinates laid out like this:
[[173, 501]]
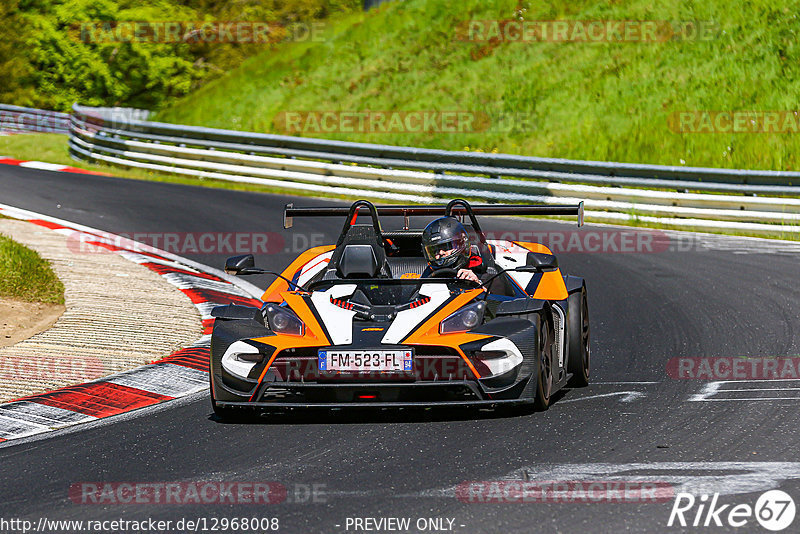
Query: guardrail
[[680, 196], [19, 119]]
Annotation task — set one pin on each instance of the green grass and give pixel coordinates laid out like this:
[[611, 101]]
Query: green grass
[[598, 101], [24, 275]]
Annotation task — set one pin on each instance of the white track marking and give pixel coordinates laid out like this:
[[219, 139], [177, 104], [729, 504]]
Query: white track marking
[[627, 396], [42, 165], [763, 389], [41, 413], [143, 258], [164, 379], [709, 390], [187, 281], [721, 391], [16, 428], [205, 309], [204, 341], [621, 383], [753, 399]]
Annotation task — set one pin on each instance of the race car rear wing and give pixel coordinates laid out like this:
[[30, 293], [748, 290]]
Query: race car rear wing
[[454, 207]]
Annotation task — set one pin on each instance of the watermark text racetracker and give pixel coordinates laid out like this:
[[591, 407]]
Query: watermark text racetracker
[[395, 121], [37, 369], [564, 491], [40, 122], [600, 241], [186, 31], [734, 122], [196, 242], [585, 31], [734, 368], [194, 493]]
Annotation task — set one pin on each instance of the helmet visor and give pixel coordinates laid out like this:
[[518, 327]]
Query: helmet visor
[[444, 252]]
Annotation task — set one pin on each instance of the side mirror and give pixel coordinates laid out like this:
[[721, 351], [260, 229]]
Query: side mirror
[[539, 262], [240, 264]]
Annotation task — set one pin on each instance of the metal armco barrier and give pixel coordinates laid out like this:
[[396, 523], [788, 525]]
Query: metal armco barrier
[[720, 198]]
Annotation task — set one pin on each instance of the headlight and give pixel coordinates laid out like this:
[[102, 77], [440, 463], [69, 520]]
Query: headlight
[[464, 319], [283, 321]]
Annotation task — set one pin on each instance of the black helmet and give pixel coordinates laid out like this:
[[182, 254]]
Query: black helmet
[[448, 239]]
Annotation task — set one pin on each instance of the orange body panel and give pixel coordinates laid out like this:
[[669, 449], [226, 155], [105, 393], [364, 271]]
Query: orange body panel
[[428, 332], [273, 292], [313, 335], [551, 286]]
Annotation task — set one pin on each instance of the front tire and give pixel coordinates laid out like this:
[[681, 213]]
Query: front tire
[[578, 360]]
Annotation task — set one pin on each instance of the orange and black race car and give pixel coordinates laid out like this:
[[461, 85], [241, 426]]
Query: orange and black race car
[[361, 323]]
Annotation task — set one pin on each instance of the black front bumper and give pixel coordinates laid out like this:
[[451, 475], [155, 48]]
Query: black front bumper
[[378, 395], [256, 406]]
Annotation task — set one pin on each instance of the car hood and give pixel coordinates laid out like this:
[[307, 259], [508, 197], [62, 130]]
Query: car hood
[[326, 314]]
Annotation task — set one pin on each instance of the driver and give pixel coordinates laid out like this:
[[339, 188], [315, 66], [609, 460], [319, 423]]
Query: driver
[[446, 245]]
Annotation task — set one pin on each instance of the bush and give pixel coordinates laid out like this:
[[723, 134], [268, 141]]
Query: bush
[[48, 63]]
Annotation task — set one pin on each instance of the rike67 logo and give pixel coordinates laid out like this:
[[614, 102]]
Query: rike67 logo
[[774, 510]]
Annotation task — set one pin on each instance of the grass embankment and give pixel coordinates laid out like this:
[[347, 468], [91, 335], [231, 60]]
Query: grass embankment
[[24, 275], [588, 100]]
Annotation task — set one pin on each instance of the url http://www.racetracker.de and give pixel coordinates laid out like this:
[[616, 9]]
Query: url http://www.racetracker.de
[[197, 524]]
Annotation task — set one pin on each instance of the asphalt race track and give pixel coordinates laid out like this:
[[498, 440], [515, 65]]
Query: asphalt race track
[[704, 298]]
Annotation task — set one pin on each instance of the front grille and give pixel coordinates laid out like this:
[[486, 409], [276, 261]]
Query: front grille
[[431, 364]]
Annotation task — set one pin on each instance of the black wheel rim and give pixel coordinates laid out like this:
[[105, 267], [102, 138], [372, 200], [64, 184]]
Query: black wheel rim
[[545, 366]]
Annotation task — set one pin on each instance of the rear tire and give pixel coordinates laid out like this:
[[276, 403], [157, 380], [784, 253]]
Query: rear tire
[[578, 359]]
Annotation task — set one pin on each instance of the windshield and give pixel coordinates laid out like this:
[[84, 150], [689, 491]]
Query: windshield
[[386, 292]]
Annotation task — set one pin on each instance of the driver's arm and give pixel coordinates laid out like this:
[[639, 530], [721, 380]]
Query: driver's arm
[[467, 274]]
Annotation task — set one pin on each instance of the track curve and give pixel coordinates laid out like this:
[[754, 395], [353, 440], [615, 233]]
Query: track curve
[[719, 297]]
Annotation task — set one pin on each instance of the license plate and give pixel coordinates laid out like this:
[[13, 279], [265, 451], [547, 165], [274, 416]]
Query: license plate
[[367, 360]]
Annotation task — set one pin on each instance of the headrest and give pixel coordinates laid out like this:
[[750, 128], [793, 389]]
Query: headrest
[[358, 261]]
